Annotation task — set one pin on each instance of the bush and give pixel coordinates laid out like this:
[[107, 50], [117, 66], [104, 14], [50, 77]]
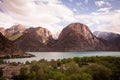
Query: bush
[[98, 72]]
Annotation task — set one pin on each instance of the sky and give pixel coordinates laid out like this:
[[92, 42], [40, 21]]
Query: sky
[[98, 15]]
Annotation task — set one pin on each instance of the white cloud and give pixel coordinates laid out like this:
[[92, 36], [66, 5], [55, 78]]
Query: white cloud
[[101, 3], [5, 20], [45, 13], [86, 1], [50, 13], [104, 10], [104, 22]]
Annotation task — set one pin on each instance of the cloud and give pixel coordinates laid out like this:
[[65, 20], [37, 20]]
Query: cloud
[[45, 13], [86, 1], [78, 3], [101, 3], [5, 20], [102, 21], [104, 10], [53, 15]]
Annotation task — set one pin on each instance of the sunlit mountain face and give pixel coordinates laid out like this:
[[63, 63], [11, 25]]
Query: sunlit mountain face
[[99, 15]]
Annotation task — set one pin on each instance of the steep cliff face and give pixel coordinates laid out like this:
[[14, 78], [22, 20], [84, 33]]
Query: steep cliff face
[[74, 37], [77, 37], [15, 29], [112, 40], [8, 47], [2, 30], [14, 32], [34, 39]]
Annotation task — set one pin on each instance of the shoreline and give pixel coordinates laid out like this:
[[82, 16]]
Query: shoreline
[[13, 56]]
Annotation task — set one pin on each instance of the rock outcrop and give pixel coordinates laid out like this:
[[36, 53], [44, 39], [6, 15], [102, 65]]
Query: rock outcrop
[[112, 40], [2, 30], [15, 29], [14, 32], [74, 37], [77, 37], [34, 39], [8, 47]]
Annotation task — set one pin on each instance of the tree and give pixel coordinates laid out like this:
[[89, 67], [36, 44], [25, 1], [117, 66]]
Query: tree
[[57, 75], [33, 76], [23, 73], [97, 71], [81, 76], [1, 73], [41, 74], [72, 68]]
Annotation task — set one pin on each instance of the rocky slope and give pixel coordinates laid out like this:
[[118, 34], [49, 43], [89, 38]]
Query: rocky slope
[[2, 30], [8, 47], [77, 37], [74, 37], [34, 39], [112, 40], [15, 31]]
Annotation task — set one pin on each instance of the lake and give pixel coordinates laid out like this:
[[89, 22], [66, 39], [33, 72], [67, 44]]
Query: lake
[[60, 55]]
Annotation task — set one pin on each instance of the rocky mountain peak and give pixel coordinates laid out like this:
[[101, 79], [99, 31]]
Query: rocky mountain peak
[[16, 28], [43, 31], [36, 39], [39, 33], [112, 40], [77, 29], [77, 37], [106, 35]]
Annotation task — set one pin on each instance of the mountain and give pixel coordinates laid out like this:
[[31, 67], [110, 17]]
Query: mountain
[[15, 29], [34, 39], [8, 47], [112, 40], [2, 30], [77, 37], [56, 35], [109, 36], [74, 37], [14, 32]]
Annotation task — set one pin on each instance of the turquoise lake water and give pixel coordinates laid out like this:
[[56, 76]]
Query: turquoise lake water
[[60, 55]]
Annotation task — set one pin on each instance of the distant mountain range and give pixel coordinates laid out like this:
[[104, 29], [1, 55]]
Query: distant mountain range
[[112, 40], [74, 37]]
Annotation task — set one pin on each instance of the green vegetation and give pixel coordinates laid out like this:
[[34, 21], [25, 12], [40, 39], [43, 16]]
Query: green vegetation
[[1, 75], [85, 68], [8, 56], [1, 61], [14, 37]]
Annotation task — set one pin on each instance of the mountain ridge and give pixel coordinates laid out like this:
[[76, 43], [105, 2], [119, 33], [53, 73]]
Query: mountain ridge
[[78, 37], [8, 47], [74, 37], [36, 39], [110, 39]]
